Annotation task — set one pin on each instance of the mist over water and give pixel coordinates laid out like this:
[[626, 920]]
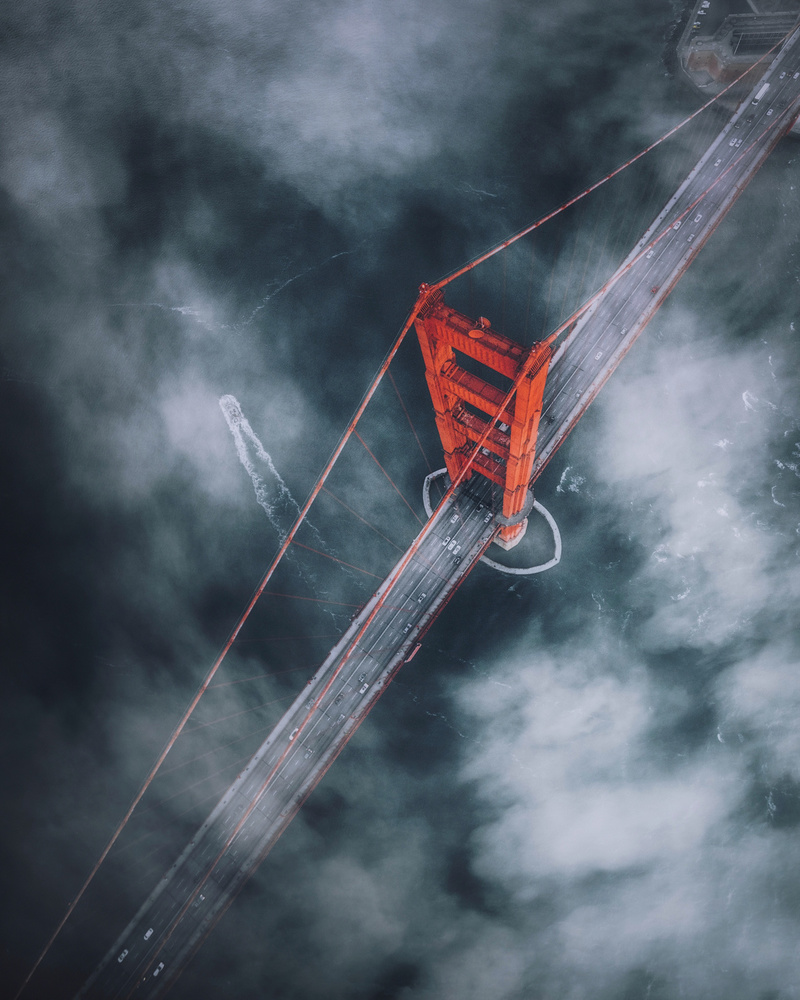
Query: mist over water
[[586, 784]]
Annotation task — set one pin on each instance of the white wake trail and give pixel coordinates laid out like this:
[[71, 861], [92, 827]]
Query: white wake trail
[[273, 496], [272, 493]]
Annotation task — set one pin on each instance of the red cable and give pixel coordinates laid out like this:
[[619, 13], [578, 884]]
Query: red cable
[[235, 715], [391, 483], [289, 638], [224, 746], [355, 514], [256, 677], [410, 424], [341, 562], [316, 600]]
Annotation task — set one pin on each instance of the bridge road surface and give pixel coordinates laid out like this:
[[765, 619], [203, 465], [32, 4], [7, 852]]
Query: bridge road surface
[[154, 947], [588, 355]]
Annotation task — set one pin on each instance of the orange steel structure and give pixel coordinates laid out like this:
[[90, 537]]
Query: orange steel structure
[[472, 409]]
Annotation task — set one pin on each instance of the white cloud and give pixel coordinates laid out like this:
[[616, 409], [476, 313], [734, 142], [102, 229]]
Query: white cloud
[[760, 702], [663, 419], [565, 753]]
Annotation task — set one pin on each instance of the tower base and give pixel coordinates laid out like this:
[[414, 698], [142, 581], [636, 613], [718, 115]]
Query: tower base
[[509, 570], [510, 543]]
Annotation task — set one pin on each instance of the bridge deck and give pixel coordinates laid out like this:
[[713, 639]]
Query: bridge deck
[[153, 948]]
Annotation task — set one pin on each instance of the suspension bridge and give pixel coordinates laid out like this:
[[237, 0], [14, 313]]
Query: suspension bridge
[[502, 410]]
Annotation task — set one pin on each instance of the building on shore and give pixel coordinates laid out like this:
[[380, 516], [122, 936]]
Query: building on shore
[[722, 38]]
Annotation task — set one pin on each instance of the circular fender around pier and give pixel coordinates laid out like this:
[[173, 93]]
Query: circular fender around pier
[[510, 570]]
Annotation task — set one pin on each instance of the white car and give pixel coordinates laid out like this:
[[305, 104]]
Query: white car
[[160, 967], [122, 956]]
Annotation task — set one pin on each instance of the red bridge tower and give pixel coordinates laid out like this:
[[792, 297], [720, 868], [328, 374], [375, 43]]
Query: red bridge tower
[[470, 369]]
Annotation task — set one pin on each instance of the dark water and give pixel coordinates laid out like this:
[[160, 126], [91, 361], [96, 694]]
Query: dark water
[[585, 784]]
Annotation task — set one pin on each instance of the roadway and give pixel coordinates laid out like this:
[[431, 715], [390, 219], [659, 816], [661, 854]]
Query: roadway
[[150, 953], [589, 353]]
